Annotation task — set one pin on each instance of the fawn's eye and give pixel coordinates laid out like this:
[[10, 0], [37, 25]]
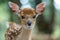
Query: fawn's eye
[[23, 17], [34, 16]]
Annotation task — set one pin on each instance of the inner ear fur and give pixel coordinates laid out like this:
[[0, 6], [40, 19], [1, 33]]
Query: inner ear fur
[[40, 8]]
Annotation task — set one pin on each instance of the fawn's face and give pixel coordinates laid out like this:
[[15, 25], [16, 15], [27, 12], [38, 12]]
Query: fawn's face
[[27, 15]]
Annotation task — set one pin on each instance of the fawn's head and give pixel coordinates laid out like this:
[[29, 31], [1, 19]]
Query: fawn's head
[[27, 15]]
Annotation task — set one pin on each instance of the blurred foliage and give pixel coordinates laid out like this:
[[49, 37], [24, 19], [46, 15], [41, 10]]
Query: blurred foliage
[[4, 17]]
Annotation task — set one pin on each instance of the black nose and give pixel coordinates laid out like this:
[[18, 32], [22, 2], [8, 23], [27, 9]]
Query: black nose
[[29, 23]]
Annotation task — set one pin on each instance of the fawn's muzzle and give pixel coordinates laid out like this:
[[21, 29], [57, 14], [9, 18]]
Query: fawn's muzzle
[[29, 23]]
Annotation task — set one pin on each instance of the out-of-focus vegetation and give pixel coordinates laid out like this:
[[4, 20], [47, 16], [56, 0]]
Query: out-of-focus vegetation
[[4, 16], [48, 23]]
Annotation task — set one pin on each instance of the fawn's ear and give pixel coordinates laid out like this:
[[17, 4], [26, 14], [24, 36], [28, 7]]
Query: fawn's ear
[[40, 8], [13, 6]]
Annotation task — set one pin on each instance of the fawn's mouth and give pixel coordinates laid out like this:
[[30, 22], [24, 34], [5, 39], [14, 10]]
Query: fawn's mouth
[[28, 27]]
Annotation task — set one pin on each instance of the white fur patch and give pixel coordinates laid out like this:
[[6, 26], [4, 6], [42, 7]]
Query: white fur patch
[[7, 24]]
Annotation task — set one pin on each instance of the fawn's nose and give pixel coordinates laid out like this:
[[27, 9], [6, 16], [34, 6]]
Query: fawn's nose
[[29, 23]]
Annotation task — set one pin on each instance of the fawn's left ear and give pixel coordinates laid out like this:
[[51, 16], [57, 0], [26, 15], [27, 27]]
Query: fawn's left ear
[[13, 6], [40, 8]]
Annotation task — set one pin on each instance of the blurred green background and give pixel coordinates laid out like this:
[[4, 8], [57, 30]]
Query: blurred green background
[[47, 25]]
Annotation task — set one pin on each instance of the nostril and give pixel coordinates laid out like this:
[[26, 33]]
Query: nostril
[[29, 23]]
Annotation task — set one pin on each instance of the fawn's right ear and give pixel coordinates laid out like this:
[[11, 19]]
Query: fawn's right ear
[[13, 6], [40, 8]]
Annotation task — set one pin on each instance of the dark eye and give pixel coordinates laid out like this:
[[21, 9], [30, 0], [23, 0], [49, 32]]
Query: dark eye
[[34, 16], [23, 17]]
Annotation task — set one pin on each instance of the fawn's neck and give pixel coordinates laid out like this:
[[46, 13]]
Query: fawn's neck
[[25, 35]]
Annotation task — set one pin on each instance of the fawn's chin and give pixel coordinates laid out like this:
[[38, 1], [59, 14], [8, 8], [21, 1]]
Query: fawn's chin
[[29, 27]]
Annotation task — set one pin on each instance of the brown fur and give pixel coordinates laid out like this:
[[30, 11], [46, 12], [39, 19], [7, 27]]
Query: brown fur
[[11, 32], [27, 12]]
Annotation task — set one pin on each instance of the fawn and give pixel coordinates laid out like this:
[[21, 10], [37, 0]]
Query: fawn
[[28, 18]]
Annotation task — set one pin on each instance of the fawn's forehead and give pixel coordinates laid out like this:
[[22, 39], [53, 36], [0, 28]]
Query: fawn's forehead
[[28, 11]]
